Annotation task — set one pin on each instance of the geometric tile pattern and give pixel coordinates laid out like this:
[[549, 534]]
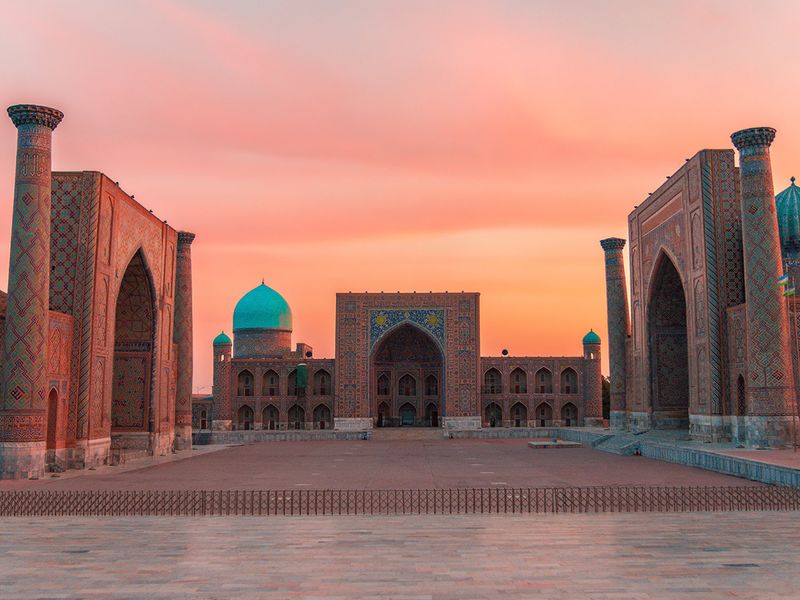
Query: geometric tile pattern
[[770, 378], [450, 319], [129, 409], [429, 320], [24, 378]]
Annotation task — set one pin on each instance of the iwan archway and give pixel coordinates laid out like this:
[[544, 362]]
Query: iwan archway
[[668, 347], [406, 379], [132, 414]]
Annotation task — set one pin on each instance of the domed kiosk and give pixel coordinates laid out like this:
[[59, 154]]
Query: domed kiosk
[[262, 324]]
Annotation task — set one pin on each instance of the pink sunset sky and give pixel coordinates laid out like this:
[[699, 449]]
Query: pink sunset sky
[[335, 146]]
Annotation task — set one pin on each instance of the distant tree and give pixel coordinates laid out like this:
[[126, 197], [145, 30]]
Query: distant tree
[[606, 397]]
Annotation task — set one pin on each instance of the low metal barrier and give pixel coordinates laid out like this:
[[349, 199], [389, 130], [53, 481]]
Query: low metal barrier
[[601, 499]]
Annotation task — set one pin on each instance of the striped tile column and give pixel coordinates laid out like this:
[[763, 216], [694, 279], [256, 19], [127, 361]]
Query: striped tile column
[[24, 379], [770, 385]]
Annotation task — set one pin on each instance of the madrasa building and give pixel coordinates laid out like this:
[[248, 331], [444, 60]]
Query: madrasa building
[[708, 343], [402, 359], [96, 326]]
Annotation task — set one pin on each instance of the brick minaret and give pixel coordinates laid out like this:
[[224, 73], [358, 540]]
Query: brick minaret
[[183, 338], [223, 417], [24, 378], [619, 326], [770, 387], [593, 382]]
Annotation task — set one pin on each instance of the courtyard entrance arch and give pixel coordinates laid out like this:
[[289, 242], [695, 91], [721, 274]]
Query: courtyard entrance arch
[[132, 415], [668, 347], [406, 379]]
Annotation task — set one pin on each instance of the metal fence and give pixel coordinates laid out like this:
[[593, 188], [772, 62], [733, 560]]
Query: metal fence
[[398, 502]]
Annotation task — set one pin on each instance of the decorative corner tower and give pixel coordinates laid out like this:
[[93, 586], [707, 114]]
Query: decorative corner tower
[[222, 382], [593, 382], [182, 336], [770, 381], [24, 379], [619, 326]]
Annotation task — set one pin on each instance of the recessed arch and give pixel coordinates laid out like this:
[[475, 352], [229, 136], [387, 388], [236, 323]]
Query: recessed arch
[[322, 417], [569, 381], [667, 343], [244, 383], [544, 414], [244, 418], [408, 415], [297, 417], [431, 385], [322, 382], [270, 383], [493, 415], [569, 415], [135, 320], [519, 415], [518, 381], [269, 417], [543, 380], [407, 385], [401, 363], [492, 381]]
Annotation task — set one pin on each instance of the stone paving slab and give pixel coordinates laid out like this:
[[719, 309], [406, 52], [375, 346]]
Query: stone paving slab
[[390, 464], [620, 556]]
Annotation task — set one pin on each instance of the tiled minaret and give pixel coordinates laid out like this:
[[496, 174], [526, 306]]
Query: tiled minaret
[[593, 382], [24, 378], [223, 412], [770, 386], [182, 335], [619, 326]]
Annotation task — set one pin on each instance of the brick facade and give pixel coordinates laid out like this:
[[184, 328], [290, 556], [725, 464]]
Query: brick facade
[[402, 359], [111, 292], [702, 243]]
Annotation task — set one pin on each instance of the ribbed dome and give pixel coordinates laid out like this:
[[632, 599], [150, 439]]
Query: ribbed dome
[[788, 203], [222, 340], [262, 308], [591, 338]]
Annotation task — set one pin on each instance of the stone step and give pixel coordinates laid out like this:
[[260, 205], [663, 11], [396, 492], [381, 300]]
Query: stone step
[[381, 434], [623, 444]]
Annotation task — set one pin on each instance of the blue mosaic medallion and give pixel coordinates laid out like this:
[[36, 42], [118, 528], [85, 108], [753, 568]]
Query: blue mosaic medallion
[[430, 320]]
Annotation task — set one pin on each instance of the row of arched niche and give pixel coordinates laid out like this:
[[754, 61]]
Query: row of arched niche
[[518, 381], [271, 383]]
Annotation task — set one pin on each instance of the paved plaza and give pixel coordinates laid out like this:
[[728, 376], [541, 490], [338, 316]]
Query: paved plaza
[[611, 556], [386, 464]]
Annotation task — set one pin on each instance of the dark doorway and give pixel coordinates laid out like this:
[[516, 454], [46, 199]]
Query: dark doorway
[[668, 348]]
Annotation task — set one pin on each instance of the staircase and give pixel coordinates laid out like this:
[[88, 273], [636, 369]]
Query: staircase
[[624, 444]]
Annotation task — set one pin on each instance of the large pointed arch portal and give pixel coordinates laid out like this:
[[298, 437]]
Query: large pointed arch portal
[[406, 372], [668, 347], [134, 345]]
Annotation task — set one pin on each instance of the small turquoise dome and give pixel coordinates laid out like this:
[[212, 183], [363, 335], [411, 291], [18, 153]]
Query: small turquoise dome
[[591, 338], [222, 340], [788, 205], [262, 308]]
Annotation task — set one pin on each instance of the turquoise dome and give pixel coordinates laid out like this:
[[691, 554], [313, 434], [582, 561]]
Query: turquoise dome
[[262, 308], [591, 338], [222, 340], [788, 204]]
